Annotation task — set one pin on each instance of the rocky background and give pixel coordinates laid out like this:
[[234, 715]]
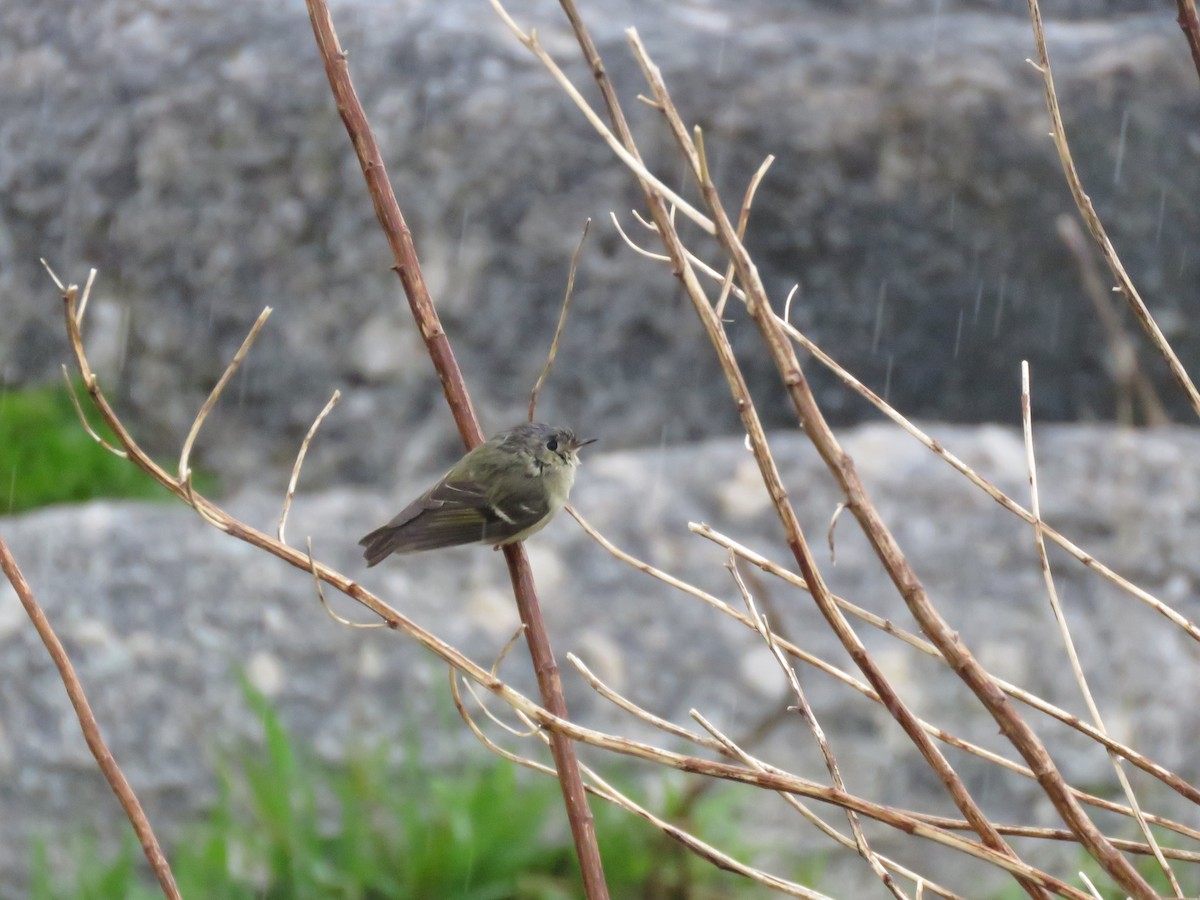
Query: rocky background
[[191, 152]]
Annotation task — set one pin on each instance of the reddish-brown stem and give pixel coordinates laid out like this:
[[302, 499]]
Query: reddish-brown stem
[[1190, 23], [438, 345], [91, 728]]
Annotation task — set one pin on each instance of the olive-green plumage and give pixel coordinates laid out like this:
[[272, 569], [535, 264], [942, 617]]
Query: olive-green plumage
[[502, 491]]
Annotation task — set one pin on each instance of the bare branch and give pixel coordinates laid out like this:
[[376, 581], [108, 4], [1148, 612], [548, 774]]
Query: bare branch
[[408, 267], [1061, 618], [531, 43], [53, 277], [1189, 21], [87, 293], [341, 620], [787, 304], [657, 257], [833, 520], [185, 473], [810, 718], [883, 542], [743, 219], [1091, 887], [622, 702], [1169, 778], [562, 321], [87, 426], [1092, 220], [291, 488], [506, 649], [530, 728], [90, 727]]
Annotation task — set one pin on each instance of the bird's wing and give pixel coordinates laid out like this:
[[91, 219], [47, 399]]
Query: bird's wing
[[452, 513]]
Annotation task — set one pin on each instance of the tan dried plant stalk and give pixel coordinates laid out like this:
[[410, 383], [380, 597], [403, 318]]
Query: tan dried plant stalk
[[757, 438], [777, 340], [105, 760]]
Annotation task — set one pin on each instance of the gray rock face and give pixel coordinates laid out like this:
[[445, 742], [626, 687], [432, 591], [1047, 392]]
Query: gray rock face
[[192, 153], [161, 612]]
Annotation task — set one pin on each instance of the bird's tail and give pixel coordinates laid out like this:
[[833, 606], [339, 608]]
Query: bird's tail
[[381, 543]]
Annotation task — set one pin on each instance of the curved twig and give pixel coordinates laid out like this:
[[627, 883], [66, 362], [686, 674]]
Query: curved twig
[[185, 472], [562, 321], [291, 488]]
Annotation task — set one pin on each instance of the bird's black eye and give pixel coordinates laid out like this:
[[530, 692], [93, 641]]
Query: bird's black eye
[[552, 444]]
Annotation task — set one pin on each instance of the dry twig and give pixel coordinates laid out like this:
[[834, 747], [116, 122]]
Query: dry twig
[[185, 472], [562, 321], [601, 788], [743, 219], [408, 268], [947, 640], [1068, 641], [1130, 380], [939, 450], [83, 420], [1189, 21], [802, 706], [1092, 220], [683, 269], [291, 488], [88, 724]]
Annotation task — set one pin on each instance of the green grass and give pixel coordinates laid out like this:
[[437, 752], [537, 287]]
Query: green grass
[[46, 457], [287, 826]]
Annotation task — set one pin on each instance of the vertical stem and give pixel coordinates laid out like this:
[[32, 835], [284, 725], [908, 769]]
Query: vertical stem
[[1189, 21], [408, 268]]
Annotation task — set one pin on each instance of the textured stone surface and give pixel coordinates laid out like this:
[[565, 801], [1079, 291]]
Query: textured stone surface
[[161, 612], [191, 151]]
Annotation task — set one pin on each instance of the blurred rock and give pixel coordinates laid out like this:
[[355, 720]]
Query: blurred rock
[[161, 613], [191, 151]]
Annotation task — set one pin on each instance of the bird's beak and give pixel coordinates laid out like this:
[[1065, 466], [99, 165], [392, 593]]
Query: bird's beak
[[582, 443]]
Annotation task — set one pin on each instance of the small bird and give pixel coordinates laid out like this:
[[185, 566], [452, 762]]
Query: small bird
[[499, 493]]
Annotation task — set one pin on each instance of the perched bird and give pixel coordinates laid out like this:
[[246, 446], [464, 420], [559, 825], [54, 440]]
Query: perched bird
[[501, 492]]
